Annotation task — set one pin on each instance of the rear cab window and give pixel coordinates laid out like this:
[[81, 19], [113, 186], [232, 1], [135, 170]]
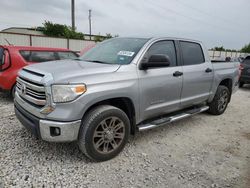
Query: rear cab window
[[38, 56], [192, 53], [43, 56], [67, 55]]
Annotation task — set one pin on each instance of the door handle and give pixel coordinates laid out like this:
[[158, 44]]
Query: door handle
[[208, 70], [177, 74]]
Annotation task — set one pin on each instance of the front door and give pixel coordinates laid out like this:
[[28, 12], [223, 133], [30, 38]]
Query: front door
[[160, 88]]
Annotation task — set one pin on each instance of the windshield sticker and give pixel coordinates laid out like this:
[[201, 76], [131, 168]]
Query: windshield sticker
[[126, 53]]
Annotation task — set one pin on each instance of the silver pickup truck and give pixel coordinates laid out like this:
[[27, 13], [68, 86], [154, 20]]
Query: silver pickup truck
[[120, 86]]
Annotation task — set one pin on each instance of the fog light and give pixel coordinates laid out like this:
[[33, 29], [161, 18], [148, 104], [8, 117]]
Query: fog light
[[55, 131]]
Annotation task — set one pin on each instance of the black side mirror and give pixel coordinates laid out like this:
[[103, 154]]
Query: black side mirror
[[155, 61]]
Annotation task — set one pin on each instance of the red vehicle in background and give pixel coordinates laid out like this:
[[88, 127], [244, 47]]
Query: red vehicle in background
[[14, 58]]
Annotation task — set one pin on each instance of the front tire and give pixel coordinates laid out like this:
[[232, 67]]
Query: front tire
[[220, 101], [103, 133]]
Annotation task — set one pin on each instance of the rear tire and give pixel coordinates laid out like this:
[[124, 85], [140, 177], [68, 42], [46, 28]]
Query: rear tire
[[103, 133], [241, 84], [220, 101]]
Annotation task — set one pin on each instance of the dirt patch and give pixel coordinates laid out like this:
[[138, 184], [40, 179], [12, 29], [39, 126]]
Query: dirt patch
[[246, 135]]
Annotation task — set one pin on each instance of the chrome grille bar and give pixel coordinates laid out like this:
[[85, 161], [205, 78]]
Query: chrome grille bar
[[32, 92]]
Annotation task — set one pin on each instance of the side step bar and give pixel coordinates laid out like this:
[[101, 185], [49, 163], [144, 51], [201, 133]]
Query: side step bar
[[166, 120]]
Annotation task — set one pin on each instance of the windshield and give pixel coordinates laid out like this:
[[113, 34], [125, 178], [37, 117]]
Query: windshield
[[115, 51]]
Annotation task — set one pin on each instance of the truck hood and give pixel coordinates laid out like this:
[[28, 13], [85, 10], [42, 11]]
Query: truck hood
[[66, 70]]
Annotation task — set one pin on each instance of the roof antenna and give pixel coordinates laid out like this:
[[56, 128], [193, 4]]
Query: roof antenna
[[8, 42]]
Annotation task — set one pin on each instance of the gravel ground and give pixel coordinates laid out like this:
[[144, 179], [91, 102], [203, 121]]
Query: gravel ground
[[201, 151]]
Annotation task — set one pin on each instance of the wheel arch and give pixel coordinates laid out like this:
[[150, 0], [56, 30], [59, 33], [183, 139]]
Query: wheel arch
[[227, 82], [124, 103]]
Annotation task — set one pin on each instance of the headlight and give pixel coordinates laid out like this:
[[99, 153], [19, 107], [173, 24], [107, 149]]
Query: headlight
[[67, 93]]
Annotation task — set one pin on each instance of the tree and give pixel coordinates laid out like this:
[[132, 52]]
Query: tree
[[109, 36], [59, 30], [246, 48], [221, 48]]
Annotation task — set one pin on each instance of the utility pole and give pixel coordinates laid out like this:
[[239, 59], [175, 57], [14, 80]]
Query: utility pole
[[73, 14], [90, 32]]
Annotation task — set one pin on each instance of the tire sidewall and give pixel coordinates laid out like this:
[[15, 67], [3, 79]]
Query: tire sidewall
[[89, 129], [220, 90]]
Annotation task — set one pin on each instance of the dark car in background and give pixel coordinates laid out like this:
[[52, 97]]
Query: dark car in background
[[245, 74]]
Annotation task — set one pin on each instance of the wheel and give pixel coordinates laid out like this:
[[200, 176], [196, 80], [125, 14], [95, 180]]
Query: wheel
[[241, 84], [13, 90], [103, 133], [220, 101]]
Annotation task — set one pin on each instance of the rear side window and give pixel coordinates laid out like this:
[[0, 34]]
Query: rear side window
[[66, 55], [164, 48], [192, 53], [38, 56]]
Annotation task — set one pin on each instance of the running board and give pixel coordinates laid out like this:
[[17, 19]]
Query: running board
[[166, 120]]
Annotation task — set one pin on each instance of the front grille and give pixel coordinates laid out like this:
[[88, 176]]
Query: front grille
[[31, 92]]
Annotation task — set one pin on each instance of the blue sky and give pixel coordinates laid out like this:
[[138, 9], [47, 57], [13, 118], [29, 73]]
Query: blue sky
[[215, 22]]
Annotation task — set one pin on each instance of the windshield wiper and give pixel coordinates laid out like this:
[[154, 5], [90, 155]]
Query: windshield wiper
[[97, 61]]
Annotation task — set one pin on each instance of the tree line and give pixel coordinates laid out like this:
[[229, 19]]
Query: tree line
[[244, 49], [61, 30]]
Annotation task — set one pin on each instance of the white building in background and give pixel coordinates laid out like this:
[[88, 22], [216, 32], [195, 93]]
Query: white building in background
[[23, 30]]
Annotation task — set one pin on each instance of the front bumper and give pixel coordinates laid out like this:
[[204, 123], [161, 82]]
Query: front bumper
[[52, 131]]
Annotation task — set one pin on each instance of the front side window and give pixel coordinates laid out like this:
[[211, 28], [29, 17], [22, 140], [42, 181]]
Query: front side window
[[192, 53], [38, 56], [163, 48], [115, 51]]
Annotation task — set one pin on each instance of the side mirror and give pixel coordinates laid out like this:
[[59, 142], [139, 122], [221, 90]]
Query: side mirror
[[155, 61]]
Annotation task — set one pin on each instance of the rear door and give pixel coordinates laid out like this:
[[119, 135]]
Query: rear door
[[160, 90], [197, 74]]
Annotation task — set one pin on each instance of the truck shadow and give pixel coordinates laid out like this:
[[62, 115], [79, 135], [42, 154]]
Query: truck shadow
[[60, 152], [69, 152], [5, 97], [175, 127], [246, 87]]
